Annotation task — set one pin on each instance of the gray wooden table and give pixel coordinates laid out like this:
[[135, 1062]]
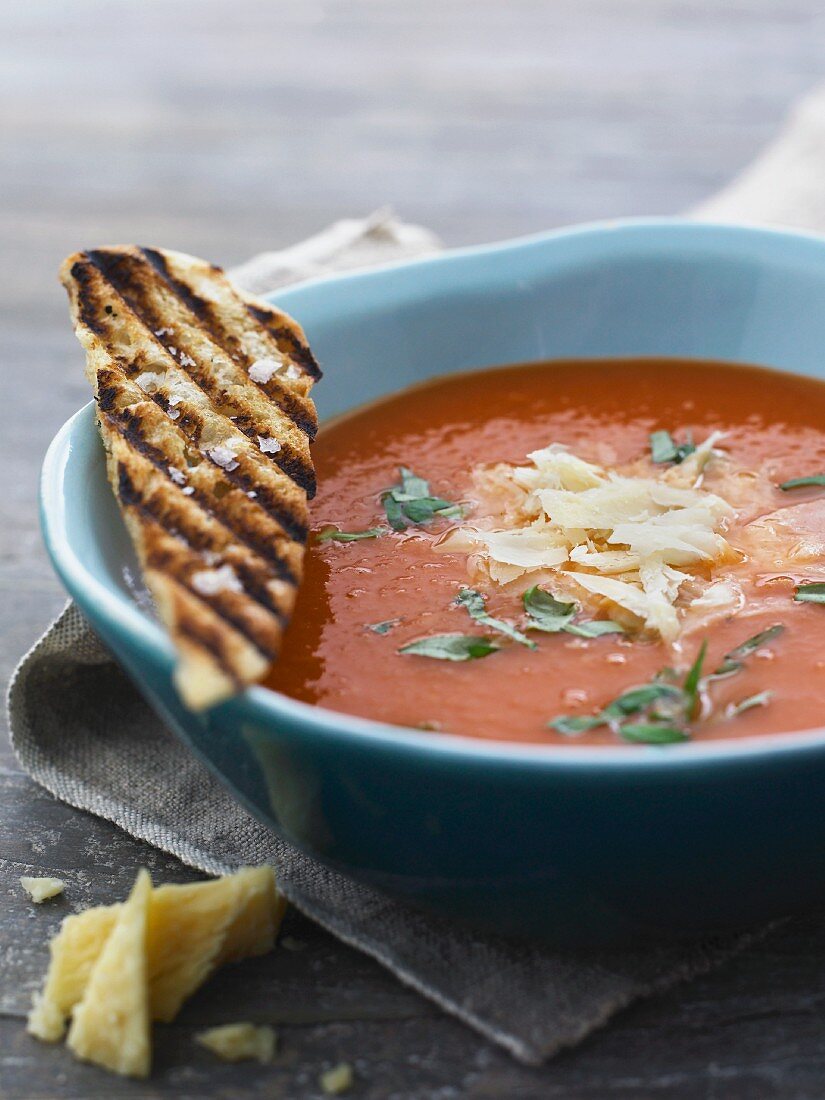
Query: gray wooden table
[[223, 128]]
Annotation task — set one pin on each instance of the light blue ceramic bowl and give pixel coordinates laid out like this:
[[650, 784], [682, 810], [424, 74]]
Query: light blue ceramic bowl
[[575, 845]]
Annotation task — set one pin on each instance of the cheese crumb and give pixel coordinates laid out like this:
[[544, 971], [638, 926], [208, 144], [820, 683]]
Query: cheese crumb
[[337, 1080], [268, 444], [262, 370], [240, 1042], [209, 582], [186, 360], [178, 476], [41, 889]]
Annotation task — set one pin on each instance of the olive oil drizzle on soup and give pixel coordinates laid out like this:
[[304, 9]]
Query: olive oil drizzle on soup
[[404, 618]]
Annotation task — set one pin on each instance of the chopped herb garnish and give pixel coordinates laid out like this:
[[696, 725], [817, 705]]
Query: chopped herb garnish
[[552, 616], [756, 642], [476, 607], [384, 627], [693, 682], [732, 662], [572, 724], [410, 503], [662, 711], [595, 628], [331, 534], [653, 733], [804, 482], [452, 647], [638, 699], [760, 700], [664, 448], [810, 593]]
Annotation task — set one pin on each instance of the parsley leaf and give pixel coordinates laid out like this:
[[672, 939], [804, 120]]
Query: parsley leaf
[[663, 448], [551, 615], [331, 534], [803, 482], [476, 607], [810, 593], [452, 647], [410, 503]]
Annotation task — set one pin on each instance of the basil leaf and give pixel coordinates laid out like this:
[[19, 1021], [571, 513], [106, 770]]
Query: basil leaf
[[760, 700], [803, 482], [475, 605], [551, 615], [424, 509], [383, 628], [411, 502], [395, 517], [412, 487], [755, 642], [594, 628], [451, 647], [332, 535], [638, 699], [810, 593], [547, 613], [653, 734], [573, 724], [663, 448], [693, 682]]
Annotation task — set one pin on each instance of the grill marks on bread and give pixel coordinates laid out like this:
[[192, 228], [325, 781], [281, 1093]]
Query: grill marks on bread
[[212, 468]]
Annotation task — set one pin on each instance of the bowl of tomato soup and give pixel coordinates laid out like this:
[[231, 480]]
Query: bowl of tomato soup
[[557, 667]]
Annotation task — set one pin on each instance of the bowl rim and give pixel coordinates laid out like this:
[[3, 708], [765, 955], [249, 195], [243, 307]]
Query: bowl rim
[[78, 440]]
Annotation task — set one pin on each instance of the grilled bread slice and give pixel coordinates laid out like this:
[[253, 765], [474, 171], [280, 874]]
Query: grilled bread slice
[[203, 404]]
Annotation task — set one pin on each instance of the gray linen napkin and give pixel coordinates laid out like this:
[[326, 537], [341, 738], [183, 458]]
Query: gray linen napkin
[[82, 730]]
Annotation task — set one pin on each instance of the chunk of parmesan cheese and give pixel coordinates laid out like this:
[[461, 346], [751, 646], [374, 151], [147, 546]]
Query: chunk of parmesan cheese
[[41, 889], [110, 1025], [240, 1042], [191, 930], [338, 1080]]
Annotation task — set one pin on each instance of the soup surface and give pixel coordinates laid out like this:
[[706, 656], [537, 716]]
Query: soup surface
[[366, 598]]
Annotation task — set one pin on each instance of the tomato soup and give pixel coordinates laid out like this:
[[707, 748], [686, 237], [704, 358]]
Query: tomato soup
[[706, 596]]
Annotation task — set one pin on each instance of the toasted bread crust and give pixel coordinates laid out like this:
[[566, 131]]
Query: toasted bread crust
[[203, 405]]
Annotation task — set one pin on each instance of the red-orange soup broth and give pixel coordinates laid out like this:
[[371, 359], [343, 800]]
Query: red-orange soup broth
[[443, 430]]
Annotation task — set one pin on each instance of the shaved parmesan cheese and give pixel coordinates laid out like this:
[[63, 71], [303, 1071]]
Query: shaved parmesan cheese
[[623, 538]]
